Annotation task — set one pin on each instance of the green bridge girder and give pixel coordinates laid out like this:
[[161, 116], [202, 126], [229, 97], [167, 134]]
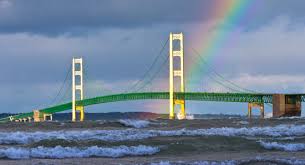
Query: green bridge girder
[[194, 96]]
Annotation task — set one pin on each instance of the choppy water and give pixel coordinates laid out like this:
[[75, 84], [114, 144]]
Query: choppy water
[[208, 140]]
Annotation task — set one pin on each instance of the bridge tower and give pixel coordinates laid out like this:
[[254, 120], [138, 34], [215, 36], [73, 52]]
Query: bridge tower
[[176, 70], [77, 88]]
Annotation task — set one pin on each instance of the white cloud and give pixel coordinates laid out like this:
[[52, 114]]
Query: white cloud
[[276, 48]]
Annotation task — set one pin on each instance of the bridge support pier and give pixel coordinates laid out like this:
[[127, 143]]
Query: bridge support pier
[[286, 105], [40, 117], [47, 117], [176, 71], [36, 116], [256, 105], [77, 88]]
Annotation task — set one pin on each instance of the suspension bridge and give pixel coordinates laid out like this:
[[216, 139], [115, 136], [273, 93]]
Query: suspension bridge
[[283, 104]]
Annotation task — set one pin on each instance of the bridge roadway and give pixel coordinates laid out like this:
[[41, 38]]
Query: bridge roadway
[[194, 96]]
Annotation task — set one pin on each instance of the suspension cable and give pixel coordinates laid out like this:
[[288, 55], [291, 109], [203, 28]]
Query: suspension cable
[[149, 69], [67, 91], [156, 73], [59, 91], [86, 78], [62, 86], [219, 82], [220, 76]]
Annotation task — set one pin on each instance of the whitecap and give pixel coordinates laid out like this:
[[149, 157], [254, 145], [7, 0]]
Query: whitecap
[[135, 123], [60, 152], [235, 162], [291, 147], [280, 131]]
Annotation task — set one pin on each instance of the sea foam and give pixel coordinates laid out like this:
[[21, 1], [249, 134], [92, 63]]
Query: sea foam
[[60, 152], [196, 163], [135, 123], [263, 160], [291, 147], [138, 134]]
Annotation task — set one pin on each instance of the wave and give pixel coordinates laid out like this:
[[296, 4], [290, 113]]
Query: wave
[[291, 147], [135, 123], [290, 118], [196, 163], [60, 152], [235, 162], [138, 134], [272, 160], [104, 135]]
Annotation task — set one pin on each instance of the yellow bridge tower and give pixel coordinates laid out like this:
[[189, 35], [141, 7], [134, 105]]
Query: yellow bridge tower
[[77, 88], [176, 54]]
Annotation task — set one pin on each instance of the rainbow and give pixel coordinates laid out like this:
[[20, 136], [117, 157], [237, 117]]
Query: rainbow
[[212, 42]]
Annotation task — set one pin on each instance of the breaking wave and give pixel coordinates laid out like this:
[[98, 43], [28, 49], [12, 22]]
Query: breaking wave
[[283, 147], [137, 134], [135, 123], [73, 152]]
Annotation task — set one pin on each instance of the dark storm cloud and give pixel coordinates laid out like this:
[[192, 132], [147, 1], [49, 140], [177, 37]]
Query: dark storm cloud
[[57, 16], [81, 16]]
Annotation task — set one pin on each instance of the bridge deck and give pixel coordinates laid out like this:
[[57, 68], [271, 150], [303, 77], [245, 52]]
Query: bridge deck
[[199, 96]]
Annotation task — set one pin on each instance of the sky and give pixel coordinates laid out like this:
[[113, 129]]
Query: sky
[[119, 40]]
